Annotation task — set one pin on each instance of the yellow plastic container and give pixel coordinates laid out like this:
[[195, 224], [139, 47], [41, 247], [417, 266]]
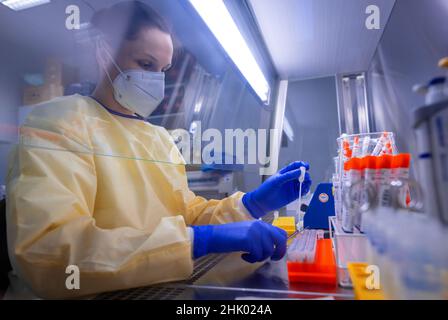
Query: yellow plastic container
[[286, 223], [358, 275]]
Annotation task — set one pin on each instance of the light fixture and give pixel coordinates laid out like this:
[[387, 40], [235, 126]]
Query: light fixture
[[217, 17], [17, 5]]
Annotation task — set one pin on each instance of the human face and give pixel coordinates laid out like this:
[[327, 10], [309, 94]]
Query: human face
[[151, 50]]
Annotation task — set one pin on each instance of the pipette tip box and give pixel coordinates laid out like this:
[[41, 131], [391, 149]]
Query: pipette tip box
[[322, 270]]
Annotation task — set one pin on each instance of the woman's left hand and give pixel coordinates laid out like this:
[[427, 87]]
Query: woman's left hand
[[278, 191]]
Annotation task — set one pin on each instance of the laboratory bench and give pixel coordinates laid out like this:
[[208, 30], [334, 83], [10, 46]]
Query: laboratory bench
[[228, 277]]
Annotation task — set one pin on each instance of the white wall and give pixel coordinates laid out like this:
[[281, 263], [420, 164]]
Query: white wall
[[311, 109]]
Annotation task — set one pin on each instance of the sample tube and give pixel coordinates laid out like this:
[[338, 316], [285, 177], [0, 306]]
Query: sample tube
[[404, 173], [345, 188], [387, 149], [336, 194], [346, 151], [365, 146], [384, 167], [350, 205], [299, 220], [360, 166], [380, 144], [370, 181], [356, 151], [400, 171]]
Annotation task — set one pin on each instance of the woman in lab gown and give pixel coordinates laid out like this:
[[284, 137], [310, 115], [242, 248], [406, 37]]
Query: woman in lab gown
[[99, 195]]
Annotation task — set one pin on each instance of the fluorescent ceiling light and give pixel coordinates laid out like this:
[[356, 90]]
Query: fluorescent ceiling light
[[218, 19], [23, 4]]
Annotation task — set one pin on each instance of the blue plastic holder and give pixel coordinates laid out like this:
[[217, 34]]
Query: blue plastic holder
[[320, 208]]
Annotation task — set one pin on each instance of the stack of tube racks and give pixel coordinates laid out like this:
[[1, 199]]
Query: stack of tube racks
[[348, 248]]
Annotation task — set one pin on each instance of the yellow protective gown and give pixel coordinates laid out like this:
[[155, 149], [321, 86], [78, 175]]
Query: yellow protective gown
[[105, 193]]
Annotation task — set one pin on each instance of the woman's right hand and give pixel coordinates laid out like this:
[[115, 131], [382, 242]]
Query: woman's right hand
[[258, 240]]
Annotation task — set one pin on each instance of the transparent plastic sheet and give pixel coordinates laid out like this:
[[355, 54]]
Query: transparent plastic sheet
[[390, 110], [412, 44], [102, 138], [87, 132], [103, 181]]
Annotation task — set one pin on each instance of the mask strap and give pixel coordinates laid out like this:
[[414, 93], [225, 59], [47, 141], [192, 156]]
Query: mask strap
[[107, 74], [111, 58]]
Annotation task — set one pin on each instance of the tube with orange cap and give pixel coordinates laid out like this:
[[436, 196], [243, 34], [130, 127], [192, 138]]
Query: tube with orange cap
[[344, 147], [346, 151], [356, 151], [387, 149], [380, 144], [357, 218], [370, 181], [400, 171], [365, 146], [353, 168], [384, 167], [345, 187]]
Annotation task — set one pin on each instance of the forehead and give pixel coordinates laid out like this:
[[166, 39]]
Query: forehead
[[154, 42]]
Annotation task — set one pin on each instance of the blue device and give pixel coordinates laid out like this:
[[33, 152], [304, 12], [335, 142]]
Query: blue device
[[320, 208]]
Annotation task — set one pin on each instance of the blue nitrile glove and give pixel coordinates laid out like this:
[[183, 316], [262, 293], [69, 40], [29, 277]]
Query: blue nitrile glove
[[277, 191], [258, 240]]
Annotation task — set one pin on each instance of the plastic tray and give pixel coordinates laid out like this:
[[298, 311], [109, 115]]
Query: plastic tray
[[322, 271], [359, 276], [348, 247]]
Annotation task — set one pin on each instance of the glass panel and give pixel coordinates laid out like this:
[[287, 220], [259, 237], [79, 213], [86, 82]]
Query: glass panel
[[311, 111], [117, 134], [206, 99]]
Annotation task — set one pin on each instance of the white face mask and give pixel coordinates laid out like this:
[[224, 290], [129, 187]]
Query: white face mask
[[137, 90]]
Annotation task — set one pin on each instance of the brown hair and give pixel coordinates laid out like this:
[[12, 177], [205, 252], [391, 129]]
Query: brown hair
[[124, 20]]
